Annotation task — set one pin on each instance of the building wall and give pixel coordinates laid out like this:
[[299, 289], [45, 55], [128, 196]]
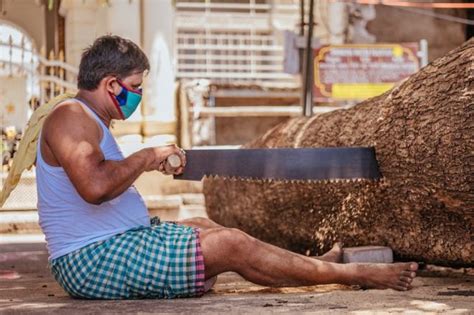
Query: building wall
[[397, 25], [88, 19], [29, 15]]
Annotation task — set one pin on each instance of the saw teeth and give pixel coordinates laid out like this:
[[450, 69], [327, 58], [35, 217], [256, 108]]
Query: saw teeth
[[295, 181]]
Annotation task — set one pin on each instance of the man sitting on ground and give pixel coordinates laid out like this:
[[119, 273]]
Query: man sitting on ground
[[101, 240]]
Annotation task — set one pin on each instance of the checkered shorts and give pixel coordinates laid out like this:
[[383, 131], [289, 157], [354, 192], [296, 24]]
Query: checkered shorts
[[160, 261]]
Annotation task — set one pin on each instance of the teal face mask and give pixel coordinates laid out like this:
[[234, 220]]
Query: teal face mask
[[127, 101]]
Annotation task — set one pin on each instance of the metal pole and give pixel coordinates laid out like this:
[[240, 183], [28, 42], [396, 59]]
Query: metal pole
[[302, 17], [423, 52], [300, 51], [307, 95]]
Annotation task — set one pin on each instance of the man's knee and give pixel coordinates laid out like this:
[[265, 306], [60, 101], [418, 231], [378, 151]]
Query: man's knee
[[210, 223], [204, 221], [199, 222], [235, 240], [195, 220]]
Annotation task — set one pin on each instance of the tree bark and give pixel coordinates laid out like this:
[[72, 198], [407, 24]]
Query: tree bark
[[423, 208]]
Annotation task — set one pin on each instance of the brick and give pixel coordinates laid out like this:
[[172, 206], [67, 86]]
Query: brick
[[368, 254]]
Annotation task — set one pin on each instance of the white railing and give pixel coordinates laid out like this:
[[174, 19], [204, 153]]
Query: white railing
[[56, 76], [48, 76], [257, 111]]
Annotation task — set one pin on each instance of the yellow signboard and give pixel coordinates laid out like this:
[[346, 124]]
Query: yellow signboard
[[357, 72]]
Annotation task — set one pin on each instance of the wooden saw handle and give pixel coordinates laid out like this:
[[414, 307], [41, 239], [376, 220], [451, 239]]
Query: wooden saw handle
[[172, 163]]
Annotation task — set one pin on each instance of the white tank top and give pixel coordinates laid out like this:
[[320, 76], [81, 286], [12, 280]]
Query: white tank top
[[68, 221]]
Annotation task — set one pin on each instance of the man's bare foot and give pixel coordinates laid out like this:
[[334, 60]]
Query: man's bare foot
[[334, 255], [397, 276]]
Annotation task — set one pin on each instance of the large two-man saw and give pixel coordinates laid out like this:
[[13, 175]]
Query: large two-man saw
[[280, 164]]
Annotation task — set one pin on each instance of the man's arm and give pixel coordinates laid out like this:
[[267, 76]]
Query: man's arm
[[73, 138]]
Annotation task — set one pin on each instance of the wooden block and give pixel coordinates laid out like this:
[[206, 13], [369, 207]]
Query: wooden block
[[368, 254]]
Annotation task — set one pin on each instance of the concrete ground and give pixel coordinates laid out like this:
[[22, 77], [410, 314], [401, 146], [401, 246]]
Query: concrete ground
[[26, 287]]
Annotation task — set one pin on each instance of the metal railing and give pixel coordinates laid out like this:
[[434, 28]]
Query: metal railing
[[232, 42]]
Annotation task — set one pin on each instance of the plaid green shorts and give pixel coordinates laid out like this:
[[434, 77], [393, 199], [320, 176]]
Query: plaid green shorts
[[160, 261]]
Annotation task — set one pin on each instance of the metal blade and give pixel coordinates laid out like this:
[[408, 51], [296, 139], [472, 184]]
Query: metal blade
[[290, 164]]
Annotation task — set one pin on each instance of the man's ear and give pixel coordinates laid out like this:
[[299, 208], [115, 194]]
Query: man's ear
[[112, 85]]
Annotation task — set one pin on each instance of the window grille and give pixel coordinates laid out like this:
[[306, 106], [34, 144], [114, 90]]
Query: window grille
[[231, 41]]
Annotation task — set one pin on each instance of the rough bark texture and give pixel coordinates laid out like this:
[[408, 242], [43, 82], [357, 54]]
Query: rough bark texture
[[423, 208]]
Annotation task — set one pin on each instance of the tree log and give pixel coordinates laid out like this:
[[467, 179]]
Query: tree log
[[423, 208]]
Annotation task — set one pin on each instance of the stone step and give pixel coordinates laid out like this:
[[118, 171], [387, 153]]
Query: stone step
[[19, 222], [150, 185], [168, 208], [193, 199], [183, 212], [16, 238], [170, 202]]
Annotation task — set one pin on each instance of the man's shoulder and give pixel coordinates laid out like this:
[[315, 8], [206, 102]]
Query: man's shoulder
[[68, 116], [68, 108], [67, 112]]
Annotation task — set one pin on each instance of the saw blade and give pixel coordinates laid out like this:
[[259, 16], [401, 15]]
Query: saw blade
[[283, 164], [326, 182]]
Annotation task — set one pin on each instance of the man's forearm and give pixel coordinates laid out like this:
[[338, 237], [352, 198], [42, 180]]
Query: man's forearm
[[118, 176]]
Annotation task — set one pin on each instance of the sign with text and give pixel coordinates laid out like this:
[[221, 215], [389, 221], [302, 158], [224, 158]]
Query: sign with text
[[358, 72]]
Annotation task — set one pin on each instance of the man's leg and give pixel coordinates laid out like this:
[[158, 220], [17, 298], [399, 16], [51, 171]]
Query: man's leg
[[334, 255], [227, 249]]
